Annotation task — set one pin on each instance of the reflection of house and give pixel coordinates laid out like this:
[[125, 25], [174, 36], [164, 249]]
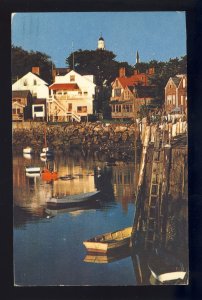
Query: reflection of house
[[130, 93], [176, 94], [21, 104], [71, 98]]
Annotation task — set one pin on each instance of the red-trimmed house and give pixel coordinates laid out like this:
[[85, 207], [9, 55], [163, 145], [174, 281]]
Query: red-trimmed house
[[130, 93]]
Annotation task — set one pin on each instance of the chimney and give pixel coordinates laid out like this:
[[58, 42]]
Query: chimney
[[136, 72], [36, 70], [122, 72]]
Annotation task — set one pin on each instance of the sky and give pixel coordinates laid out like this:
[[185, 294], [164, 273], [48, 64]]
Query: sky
[[156, 35]]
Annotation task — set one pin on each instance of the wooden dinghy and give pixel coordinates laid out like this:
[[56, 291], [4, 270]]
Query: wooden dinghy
[[109, 241], [73, 199], [105, 259]]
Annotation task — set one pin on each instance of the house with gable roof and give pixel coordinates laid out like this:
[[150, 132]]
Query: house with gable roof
[[21, 105], [38, 88], [176, 94], [71, 97], [130, 93]]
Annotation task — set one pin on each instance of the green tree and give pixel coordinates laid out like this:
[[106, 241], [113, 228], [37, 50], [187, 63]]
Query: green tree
[[101, 64], [22, 62]]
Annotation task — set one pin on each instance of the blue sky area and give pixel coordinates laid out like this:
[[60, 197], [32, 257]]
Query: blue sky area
[[156, 35]]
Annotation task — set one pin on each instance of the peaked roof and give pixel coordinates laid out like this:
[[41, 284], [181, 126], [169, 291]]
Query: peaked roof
[[132, 80], [176, 80], [21, 94], [64, 86]]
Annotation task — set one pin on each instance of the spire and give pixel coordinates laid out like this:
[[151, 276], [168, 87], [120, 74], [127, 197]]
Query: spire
[[137, 58], [101, 43]]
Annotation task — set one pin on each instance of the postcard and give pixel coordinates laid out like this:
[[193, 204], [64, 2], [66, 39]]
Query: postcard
[[100, 149]]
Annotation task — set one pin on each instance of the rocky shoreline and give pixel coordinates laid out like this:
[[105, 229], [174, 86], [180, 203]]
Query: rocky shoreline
[[86, 136]]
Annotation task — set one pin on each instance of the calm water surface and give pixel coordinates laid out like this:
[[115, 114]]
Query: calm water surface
[[48, 243]]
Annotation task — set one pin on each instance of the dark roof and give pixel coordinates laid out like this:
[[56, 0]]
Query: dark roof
[[176, 80], [101, 39], [20, 94]]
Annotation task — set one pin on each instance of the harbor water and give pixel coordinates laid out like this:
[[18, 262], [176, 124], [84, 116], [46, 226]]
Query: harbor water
[[48, 242]]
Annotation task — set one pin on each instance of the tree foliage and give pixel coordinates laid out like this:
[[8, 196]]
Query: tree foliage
[[101, 64], [163, 71], [22, 62]]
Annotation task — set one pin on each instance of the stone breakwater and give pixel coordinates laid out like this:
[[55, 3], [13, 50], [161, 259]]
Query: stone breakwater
[[87, 136]]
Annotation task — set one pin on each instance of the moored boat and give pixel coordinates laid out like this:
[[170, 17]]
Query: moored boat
[[165, 268], [28, 150], [46, 151], [32, 170], [109, 241], [73, 199], [48, 175]]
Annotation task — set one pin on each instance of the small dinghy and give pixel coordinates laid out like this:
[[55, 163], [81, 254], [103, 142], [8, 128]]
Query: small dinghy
[[165, 268], [109, 241], [32, 170], [27, 150], [73, 199]]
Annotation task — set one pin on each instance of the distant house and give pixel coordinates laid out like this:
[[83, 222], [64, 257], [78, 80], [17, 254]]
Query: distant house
[[32, 82], [21, 105], [176, 94], [71, 97], [130, 93]]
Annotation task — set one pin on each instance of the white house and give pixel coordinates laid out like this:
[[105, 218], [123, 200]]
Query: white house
[[32, 82], [71, 97]]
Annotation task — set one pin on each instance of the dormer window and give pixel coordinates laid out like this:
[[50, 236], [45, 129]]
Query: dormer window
[[72, 77]]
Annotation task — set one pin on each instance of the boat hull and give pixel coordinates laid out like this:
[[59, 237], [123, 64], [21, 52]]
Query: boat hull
[[170, 276], [73, 199], [28, 150], [32, 170]]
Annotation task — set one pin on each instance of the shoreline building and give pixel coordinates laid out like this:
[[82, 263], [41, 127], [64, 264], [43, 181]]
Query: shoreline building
[[36, 105], [130, 93], [176, 94], [71, 97]]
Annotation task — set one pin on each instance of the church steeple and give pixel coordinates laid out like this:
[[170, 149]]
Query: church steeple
[[101, 43], [137, 58]]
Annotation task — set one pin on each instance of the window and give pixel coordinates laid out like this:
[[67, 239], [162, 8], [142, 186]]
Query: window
[[183, 83], [117, 92], [85, 93], [18, 110], [70, 107], [14, 111], [117, 83], [35, 82], [81, 109], [38, 109], [173, 99], [80, 93], [72, 77], [25, 82]]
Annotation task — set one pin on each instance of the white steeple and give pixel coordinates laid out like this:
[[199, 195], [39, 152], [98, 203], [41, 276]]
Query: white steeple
[[101, 43]]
